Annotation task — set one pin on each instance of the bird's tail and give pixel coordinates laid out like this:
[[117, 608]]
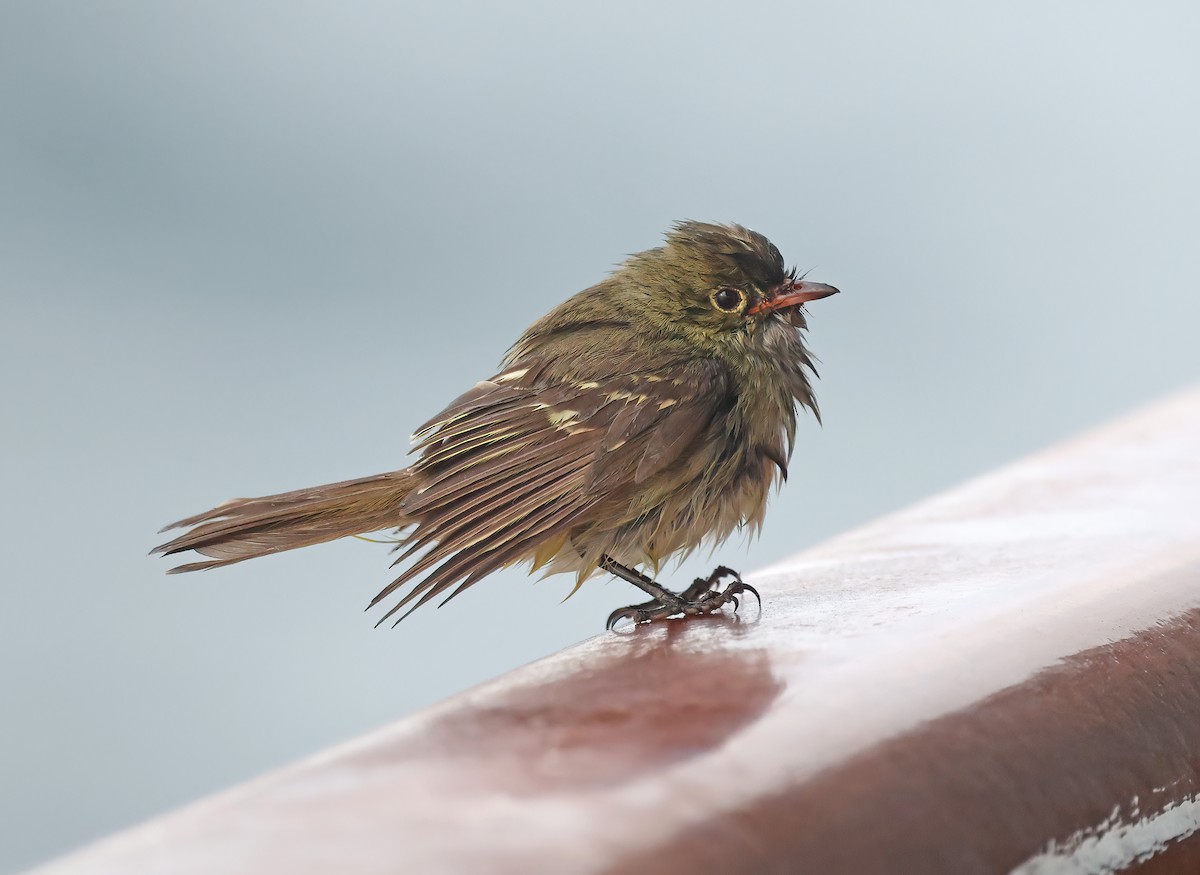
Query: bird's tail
[[248, 527]]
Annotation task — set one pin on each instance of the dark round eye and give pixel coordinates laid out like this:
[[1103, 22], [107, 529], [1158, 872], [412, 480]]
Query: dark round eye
[[728, 300]]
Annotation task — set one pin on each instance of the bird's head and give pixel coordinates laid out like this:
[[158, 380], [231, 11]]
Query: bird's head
[[716, 280], [710, 290]]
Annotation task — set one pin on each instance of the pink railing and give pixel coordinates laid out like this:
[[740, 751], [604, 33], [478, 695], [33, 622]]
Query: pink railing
[[1005, 677]]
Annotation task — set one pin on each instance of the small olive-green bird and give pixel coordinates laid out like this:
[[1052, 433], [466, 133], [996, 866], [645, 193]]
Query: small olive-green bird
[[645, 416]]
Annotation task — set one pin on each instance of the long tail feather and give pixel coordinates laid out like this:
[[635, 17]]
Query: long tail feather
[[249, 527]]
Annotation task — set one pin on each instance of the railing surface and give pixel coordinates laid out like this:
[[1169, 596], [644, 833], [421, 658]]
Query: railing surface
[[1004, 677]]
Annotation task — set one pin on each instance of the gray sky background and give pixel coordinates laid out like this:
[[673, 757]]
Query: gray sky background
[[249, 247]]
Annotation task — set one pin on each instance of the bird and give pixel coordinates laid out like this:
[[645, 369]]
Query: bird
[[642, 418]]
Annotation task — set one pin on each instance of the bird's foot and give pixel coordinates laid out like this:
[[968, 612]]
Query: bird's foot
[[700, 598]]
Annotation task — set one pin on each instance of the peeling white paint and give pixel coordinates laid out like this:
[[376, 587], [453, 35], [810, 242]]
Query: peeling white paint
[[1111, 845]]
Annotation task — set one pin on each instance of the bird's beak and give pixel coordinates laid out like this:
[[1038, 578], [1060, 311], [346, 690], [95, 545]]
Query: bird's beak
[[791, 294]]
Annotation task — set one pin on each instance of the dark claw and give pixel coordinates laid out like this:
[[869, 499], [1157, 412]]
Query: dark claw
[[734, 588], [722, 571], [637, 615], [645, 612]]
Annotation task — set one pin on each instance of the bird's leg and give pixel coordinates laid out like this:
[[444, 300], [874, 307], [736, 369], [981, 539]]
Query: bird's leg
[[659, 594], [699, 598]]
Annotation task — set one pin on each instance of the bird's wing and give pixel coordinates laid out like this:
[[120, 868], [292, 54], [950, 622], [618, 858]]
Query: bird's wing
[[515, 463]]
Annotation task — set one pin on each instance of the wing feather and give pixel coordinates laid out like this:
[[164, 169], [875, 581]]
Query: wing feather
[[515, 463]]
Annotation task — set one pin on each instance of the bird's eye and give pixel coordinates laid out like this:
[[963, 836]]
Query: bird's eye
[[728, 300]]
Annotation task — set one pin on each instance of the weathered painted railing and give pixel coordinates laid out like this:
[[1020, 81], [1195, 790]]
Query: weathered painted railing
[[1004, 677]]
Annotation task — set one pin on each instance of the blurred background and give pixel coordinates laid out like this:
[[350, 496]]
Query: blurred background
[[249, 247]]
